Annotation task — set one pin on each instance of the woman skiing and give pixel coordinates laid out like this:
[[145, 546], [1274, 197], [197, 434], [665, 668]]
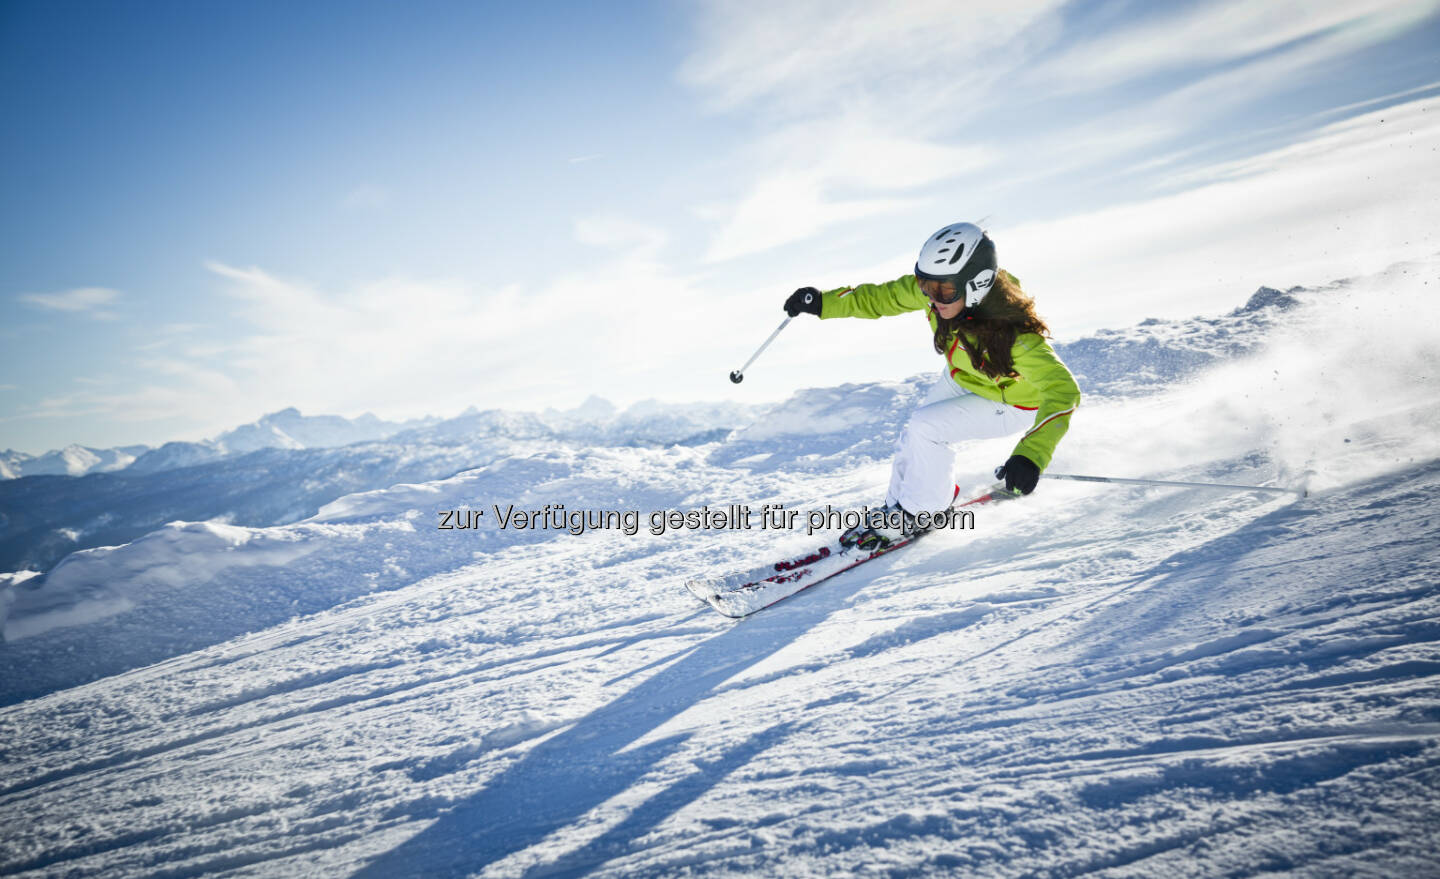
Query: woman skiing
[[1002, 377]]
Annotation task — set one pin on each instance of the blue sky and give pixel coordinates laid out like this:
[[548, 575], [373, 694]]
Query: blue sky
[[216, 210]]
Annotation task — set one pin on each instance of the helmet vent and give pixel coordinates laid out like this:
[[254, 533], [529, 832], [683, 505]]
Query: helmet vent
[[942, 234], [958, 251]]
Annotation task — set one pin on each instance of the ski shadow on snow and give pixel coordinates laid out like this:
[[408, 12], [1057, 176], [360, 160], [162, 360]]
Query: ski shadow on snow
[[554, 784]]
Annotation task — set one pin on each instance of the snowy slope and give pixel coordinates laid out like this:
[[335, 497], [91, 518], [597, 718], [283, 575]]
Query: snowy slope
[[1123, 682]]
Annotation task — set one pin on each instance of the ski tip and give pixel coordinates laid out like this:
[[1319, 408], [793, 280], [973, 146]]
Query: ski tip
[[720, 607], [704, 588]]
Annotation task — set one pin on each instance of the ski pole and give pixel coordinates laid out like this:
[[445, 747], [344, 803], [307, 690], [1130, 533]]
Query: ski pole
[[1116, 479], [739, 375]]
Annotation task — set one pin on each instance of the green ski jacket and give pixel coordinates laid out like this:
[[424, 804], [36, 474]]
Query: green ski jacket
[[1042, 381]]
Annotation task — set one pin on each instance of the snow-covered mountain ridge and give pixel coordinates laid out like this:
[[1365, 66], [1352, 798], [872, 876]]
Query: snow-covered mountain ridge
[[1096, 680], [646, 422], [44, 519], [73, 460], [286, 429]]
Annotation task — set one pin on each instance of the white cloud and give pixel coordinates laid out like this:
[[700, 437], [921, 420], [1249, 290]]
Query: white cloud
[[821, 175], [788, 208], [805, 54], [1198, 104], [867, 109], [1359, 195], [90, 301], [621, 324], [1219, 32], [860, 104]]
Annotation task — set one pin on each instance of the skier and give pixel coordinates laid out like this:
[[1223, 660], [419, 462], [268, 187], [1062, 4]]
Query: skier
[[1001, 376]]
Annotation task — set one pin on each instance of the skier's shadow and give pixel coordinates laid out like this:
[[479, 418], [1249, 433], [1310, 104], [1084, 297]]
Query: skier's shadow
[[561, 779]]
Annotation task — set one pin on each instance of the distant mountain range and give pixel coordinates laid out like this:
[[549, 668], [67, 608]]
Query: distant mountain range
[[286, 466], [645, 423], [73, 460], [286, 429]]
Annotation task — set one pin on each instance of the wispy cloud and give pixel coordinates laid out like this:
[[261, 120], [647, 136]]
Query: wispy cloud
[[1212, 34], [1273, 54], [90, 301], [869, 109], [824, 174], [820, 55], [1357, 196], [603, 317], [134, 403], [859, 104]]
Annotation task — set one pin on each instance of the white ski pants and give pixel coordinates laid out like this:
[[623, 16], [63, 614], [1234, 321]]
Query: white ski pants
[[922, 474]]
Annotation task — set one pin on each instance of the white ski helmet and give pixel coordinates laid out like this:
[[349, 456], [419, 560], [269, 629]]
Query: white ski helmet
[[962, 254]]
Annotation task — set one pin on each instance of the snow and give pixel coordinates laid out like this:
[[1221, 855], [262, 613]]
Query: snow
[[1099, 679]]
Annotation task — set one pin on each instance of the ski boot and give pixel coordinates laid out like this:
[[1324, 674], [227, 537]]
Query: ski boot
[[881, 528]]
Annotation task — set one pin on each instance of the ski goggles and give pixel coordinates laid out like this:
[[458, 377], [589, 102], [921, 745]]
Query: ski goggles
[[941, 298]]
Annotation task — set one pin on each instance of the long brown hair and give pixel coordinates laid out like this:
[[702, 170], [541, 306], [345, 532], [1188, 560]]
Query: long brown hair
[[989, 329]]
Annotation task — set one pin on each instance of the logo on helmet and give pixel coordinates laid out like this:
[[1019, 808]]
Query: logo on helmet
[[978, 287]]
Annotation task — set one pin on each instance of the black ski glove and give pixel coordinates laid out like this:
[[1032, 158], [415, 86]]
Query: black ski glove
[[805, 299], [1018, 472]]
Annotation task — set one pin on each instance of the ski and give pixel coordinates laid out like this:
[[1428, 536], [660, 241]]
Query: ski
[[741, 593]]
